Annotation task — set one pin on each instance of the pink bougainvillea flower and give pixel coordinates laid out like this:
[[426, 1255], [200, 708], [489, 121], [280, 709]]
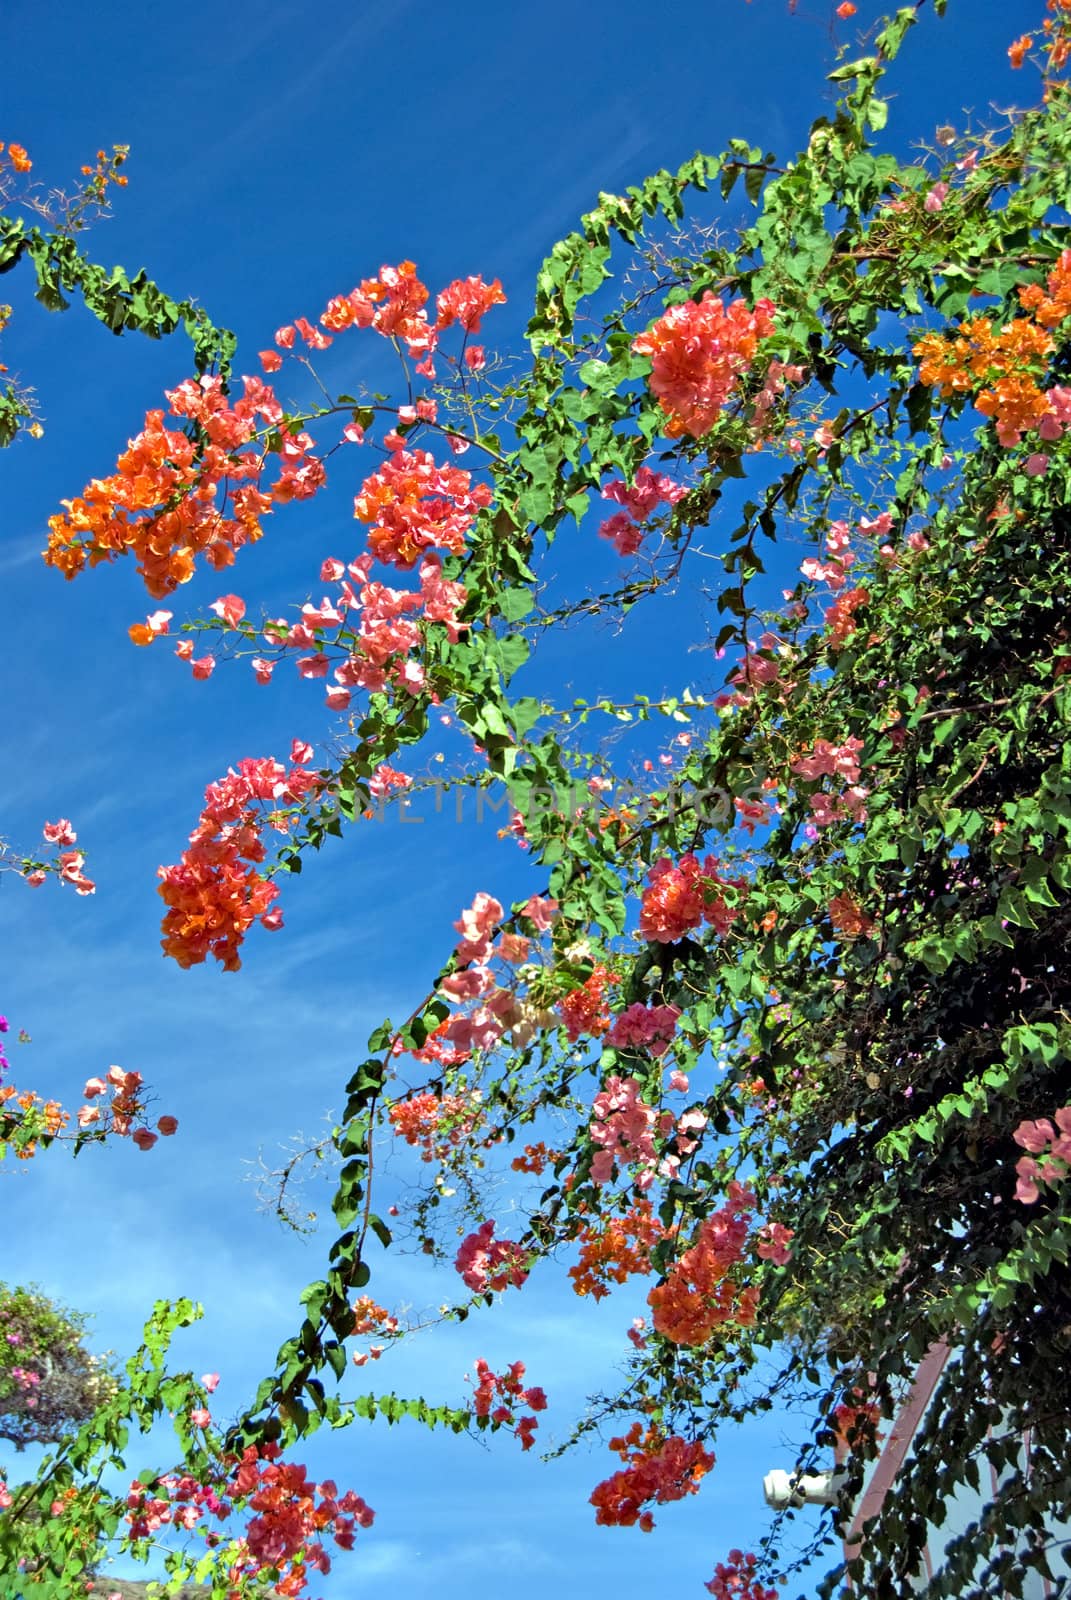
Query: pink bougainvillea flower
[[1034, 1136], [476, 924], [71, 863], [486, 1263], [699, 350], [143, 1138], [230, 608], [773, 1243], [540, 911], [60, 832], [167, 1126]]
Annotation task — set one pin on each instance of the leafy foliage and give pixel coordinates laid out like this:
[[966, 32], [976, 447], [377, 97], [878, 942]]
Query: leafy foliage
[[846, 915]]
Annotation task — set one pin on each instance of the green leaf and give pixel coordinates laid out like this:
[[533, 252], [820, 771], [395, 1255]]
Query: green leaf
[[514, 604]]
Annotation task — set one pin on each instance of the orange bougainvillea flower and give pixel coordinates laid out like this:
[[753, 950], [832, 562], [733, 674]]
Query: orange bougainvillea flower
[[1050, 309], [1017, 50], [167, 500], [1003, 367], [16, 154], [617, 1249], [848, 918], [699, 1294]]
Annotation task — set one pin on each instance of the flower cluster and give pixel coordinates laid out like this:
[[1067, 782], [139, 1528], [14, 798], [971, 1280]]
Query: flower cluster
[[855, 1423], [216, 892], [657, 1469], [499, 1010], [25, 1118], [437, 1125], [840, 618], [615, 1249], [839, 557], [122, 1114], [393, 304], [66, 863], [191, 483], [1040, 1138], [534, 1159], [584, 1010], [104, 171], [840, 762], [649, 489], [467, 301], [15, 156], [499, 1398], [412, 503], [374, 627], [168, 500], [1002, 367], [760, 668], [848, 917], [778, 377], [683, 895], [737, 1578], [290, 1515], [476, 925], [623, 1129], [1056, 40], [773, 1243], [368, 1317], [699, 1294], [699, 351], [641, 1027], [486, 1263]]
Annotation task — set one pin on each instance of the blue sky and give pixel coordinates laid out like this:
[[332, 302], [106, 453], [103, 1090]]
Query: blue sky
[[279, 154]]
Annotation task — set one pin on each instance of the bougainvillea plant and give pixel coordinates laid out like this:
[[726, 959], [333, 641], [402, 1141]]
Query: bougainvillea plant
[[49, 1382], [43, 226], [776, 1025]]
